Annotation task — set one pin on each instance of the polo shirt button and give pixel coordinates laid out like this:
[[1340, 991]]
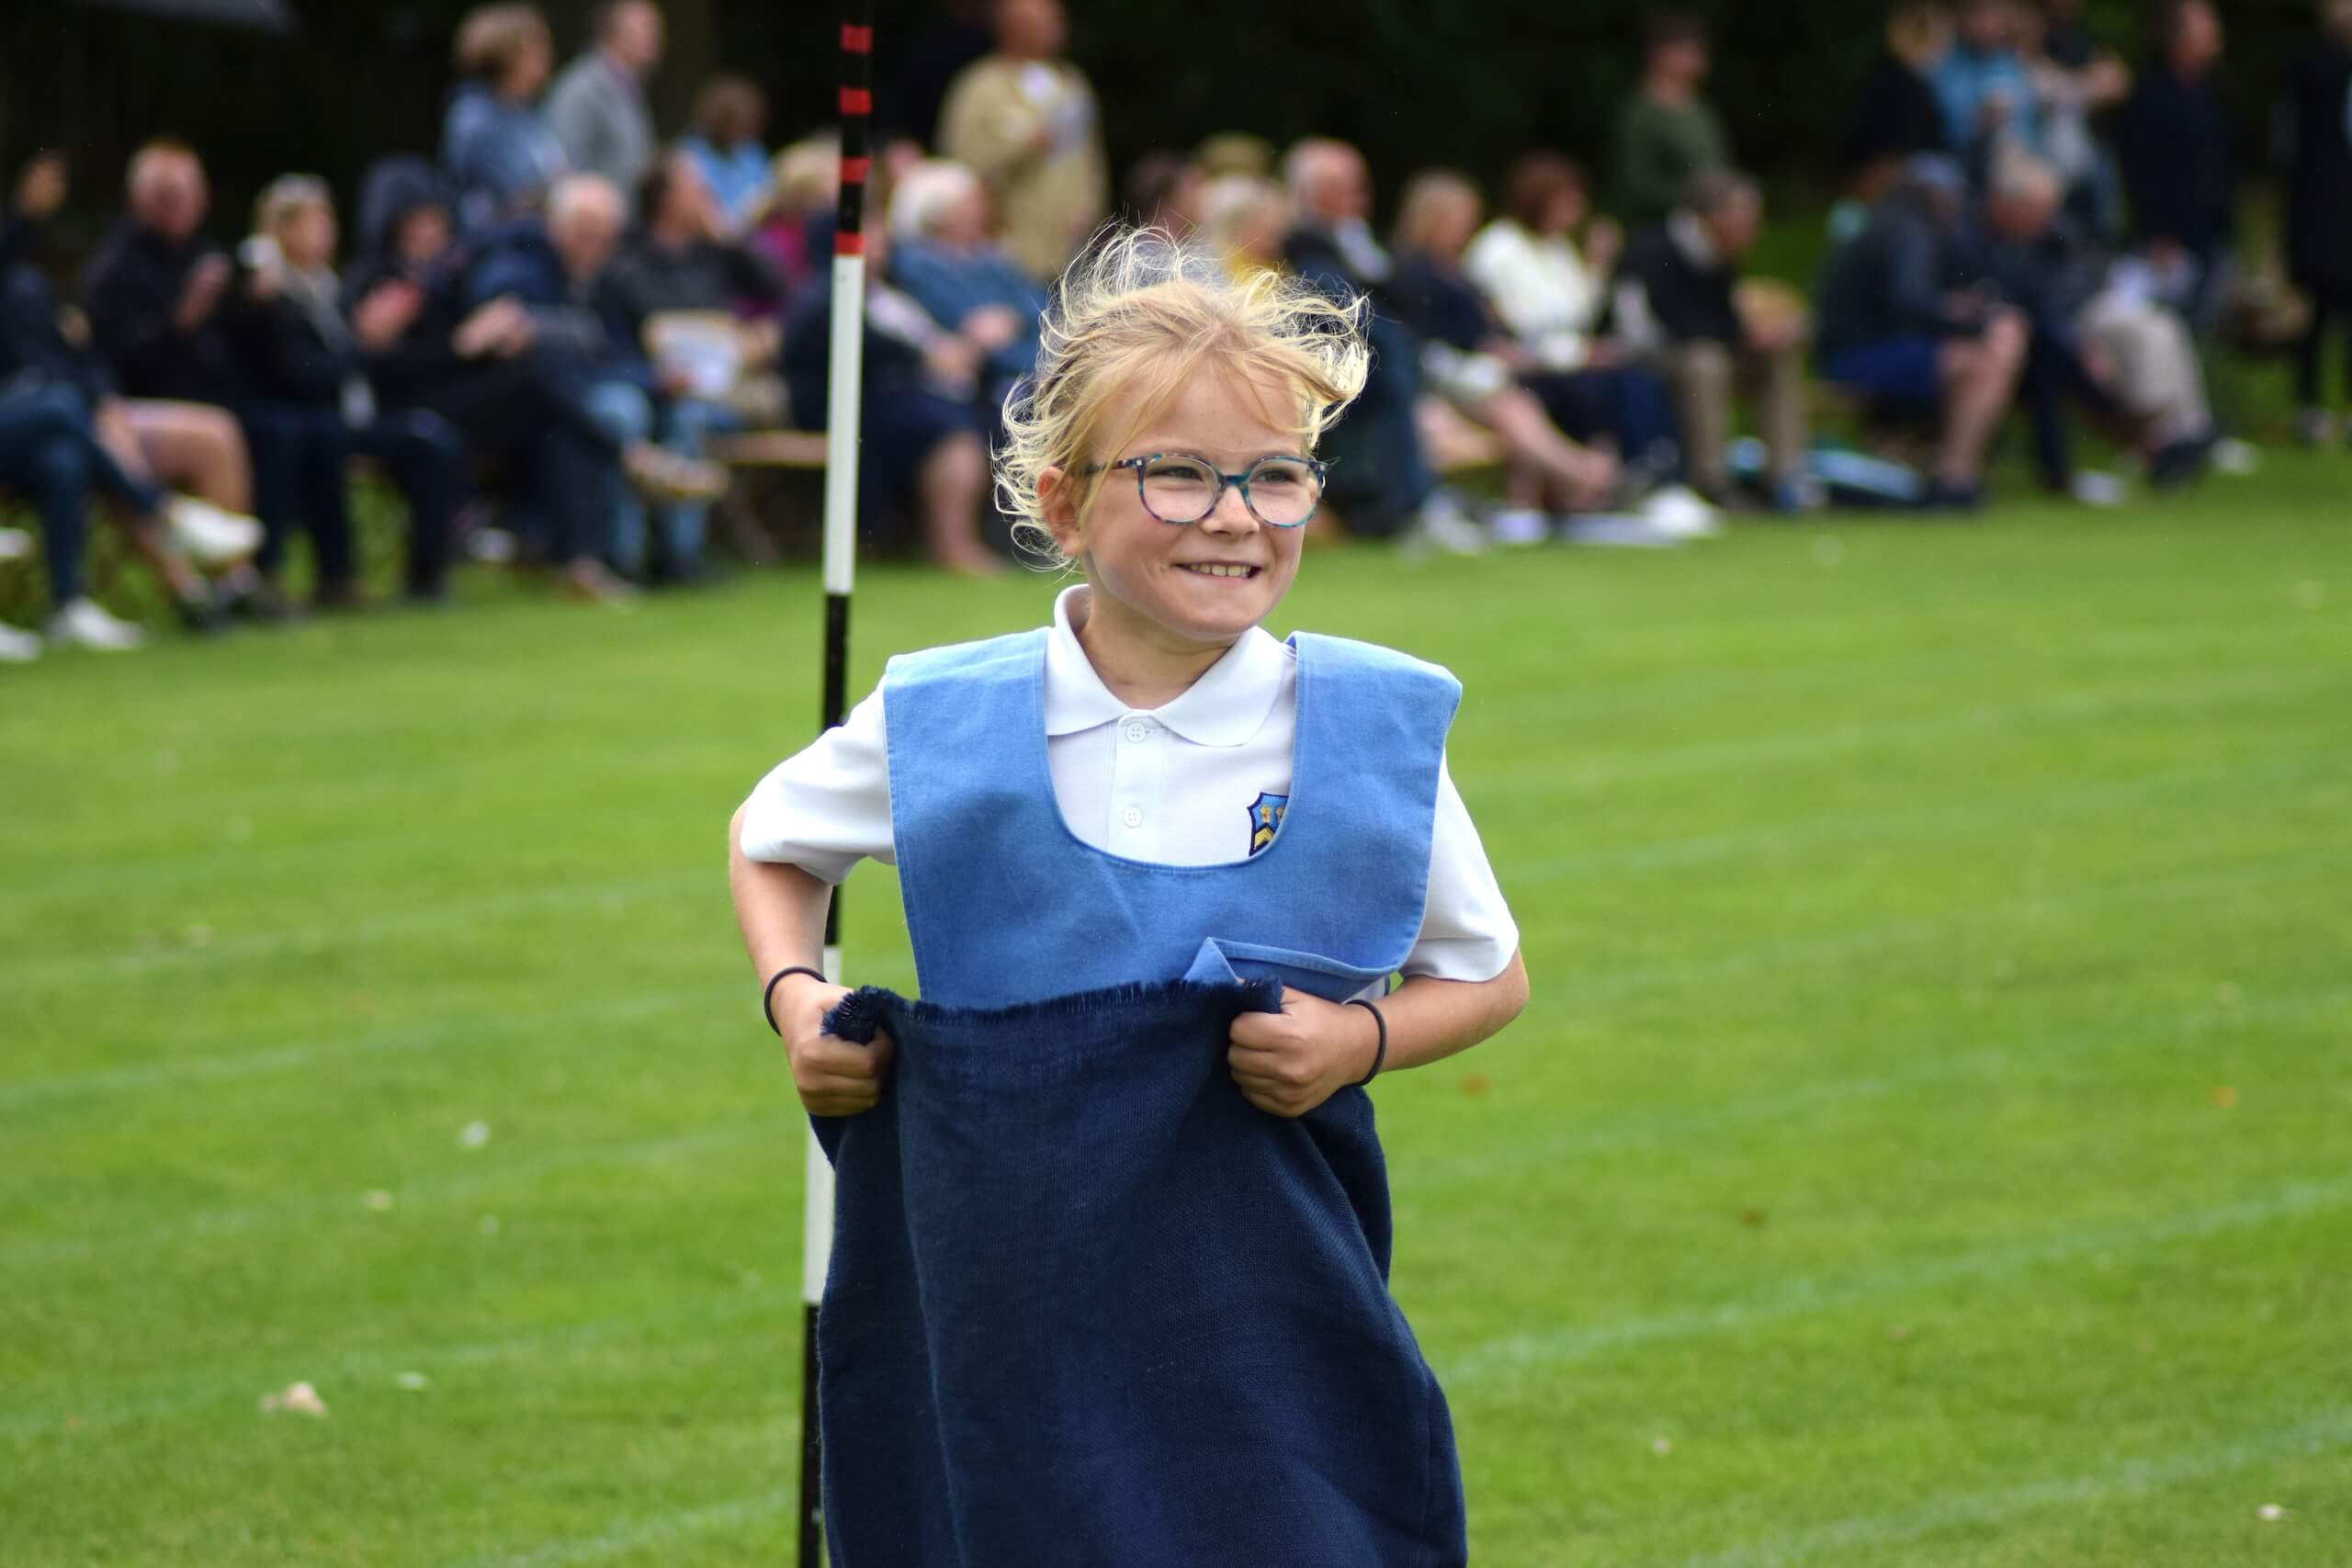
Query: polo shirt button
[[1131, 817], [1138, 731]]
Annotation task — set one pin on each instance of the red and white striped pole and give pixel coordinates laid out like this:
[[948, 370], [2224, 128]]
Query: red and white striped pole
[[847, 372]]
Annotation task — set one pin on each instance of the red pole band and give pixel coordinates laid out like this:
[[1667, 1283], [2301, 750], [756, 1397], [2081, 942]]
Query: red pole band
[[856, 100], [848, 244], [854, 170], [856, 39]]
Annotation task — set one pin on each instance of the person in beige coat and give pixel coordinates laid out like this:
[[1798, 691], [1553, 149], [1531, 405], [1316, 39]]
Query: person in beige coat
[[1026, 121]]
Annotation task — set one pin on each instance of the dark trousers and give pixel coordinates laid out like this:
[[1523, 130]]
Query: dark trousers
[[50, 455], [1632, 406], [2055, 376], [530, 415], [424, 459], [1380, 475], [2331, 312], [299, 454]]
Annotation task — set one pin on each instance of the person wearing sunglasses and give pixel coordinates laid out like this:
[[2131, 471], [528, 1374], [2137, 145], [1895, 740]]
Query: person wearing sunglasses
[[1109, 1277]]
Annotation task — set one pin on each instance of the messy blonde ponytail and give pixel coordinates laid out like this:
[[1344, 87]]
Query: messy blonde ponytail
[[1141, 309]]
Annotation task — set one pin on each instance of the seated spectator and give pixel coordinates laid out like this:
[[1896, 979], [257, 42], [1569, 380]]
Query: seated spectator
[[1243, 220], [49, 455], [1890, 328], [1163, 190], [2173, 141], [1552, 297], [1382, 480], [160, 297], [1023, 118], [688, 284], [730, 114], [1665, 131], [498, 151], [804, 187], [2066, 92], [942, 254], [2098, 340], [596, 107], [1466, 354], [184, 447], [479, 369], [1983, 87], [553, 269], [1676, 297], [2317, 150], [1895, 115], [920, 437], [296, 348]]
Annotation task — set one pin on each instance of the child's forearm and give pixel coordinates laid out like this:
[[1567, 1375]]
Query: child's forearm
[[781, 908], [1430, 1020]]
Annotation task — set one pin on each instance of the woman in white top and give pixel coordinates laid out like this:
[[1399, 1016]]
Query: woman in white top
[[1555, 300]]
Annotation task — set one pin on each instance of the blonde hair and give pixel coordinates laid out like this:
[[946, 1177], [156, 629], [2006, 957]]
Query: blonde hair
[[1141, 308], [284, 196], [1427, 195], [491, 35]]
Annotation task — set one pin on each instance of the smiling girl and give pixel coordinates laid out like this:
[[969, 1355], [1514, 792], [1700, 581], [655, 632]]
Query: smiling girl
[[1147, 820]]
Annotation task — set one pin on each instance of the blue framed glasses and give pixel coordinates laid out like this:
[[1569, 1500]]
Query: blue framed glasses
[[1180, 489]]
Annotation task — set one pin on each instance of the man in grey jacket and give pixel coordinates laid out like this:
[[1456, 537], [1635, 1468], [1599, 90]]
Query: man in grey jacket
[[597, 107]]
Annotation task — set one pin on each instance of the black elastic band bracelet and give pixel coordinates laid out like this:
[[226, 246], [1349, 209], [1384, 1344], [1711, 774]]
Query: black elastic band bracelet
[[1380, 1055], [767, 998]]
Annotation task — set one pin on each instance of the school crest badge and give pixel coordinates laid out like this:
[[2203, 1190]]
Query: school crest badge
[[1266, 819]]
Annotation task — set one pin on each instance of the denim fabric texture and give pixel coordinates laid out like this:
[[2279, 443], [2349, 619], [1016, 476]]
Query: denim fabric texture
[[1087, 1305], [1005, 905]]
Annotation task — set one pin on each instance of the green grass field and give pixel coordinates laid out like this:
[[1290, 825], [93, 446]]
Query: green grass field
[[1930, 1141]]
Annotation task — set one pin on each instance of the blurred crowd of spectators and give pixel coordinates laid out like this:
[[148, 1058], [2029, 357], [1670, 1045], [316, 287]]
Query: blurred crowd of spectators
[[539, 327]]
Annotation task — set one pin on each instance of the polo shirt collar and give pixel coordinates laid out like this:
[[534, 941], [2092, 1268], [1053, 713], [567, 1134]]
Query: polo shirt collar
[[1225, 707]]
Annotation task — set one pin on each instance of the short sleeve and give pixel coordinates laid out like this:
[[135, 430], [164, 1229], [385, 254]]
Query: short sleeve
[[1466, 929], [828, 807]]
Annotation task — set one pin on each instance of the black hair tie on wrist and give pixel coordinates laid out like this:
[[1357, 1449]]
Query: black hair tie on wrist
[[1380, 1055], [767, 998]]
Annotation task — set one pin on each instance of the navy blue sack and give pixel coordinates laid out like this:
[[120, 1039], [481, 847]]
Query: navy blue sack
[[1087, 1305]]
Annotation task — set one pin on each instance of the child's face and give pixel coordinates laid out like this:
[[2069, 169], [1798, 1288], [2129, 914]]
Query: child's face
[[1146, 574]]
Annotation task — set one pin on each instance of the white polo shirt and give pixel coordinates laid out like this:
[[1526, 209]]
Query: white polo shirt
[[1178, 785]]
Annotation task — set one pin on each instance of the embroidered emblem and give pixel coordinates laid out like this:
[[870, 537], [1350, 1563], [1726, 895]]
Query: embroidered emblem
[[1266, 819]]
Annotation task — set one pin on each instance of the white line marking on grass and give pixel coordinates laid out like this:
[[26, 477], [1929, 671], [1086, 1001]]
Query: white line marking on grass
[[332, 930], [1872, 1533], [472, 1029], [213, 1223], [1822, 745], [631, 1533], [220, 1384], [1493, 1360], [1494, 1157], [1838, 829]]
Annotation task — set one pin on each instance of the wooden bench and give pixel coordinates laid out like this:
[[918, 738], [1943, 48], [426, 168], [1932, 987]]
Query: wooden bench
[[775, 451]]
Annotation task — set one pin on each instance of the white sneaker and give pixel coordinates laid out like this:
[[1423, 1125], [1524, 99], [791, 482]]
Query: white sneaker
[[491, 547], [2232, 456], [15, 543], [82, 624], [212, 536], [2092, 488], [1520, 525], [1620, 533], [1681, 512], [1445, 524], [19, 646]]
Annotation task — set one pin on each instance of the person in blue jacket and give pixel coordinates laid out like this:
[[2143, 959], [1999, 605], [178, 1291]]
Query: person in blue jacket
[[1109, 1281]]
